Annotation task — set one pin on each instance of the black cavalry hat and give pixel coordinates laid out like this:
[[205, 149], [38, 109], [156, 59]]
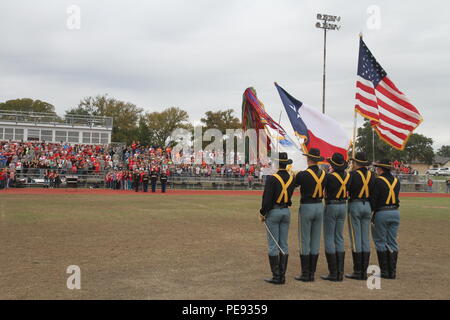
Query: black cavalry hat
[[361, 158], [283, 158], [337, 161], [385, 164], [314, 155]]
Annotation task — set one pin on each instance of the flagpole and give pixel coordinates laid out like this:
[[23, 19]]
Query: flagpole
[[325, 25], [354, 134], [324, 67], [355, 123], [278, 132], [373, 144]]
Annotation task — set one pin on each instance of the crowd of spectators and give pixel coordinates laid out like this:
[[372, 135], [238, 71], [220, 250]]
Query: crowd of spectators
[[116, 164], [402, 168], [29, 157]]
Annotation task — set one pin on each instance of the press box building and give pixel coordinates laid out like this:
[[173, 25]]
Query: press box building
[[47, 127]]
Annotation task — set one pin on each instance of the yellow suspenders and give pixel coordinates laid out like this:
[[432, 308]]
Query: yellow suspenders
[[284, 188], [318, 190], [365, 181], [391, 196], [343, 190]]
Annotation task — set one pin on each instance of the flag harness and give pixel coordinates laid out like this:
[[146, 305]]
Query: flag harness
[[318, 189], [284, 188], [343, 189], [391, 196]]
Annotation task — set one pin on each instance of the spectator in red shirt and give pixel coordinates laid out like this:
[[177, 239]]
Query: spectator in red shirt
[[430, 185], [3, 177], [97, 167]]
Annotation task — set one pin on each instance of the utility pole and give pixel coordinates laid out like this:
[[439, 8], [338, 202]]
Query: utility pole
[[323, 24]]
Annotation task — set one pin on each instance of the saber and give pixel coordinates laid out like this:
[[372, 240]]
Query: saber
[[273, 238]]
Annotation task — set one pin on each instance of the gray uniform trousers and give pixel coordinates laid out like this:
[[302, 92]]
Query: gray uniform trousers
[[359, 215], [333, 227], [277, 221], [310, 224], [385, 229]]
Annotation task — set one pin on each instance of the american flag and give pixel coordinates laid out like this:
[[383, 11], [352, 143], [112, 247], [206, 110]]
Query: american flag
[[392, 115]]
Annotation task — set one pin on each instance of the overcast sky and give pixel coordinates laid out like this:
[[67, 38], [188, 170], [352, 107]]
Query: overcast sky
[[202, 54]]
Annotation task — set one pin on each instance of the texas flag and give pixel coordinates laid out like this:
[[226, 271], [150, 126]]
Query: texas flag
[[315, 128]]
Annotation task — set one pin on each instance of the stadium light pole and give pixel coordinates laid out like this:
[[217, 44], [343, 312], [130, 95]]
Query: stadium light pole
[[324, 24]]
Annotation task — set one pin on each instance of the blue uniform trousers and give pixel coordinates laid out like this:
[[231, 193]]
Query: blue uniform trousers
[[359, 215], [277, 221], [385, 229], [333, 227], [309, 225]]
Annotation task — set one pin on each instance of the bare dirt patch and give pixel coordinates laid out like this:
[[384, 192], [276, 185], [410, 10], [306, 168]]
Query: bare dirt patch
[[190, 247]]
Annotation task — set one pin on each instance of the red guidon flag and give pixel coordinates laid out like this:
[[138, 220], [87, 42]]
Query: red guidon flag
[[392, 115]]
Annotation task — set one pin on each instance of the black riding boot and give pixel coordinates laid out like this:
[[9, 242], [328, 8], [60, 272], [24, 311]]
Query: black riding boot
[[275, 268], [340, 257], [392, 264], [283, 267], [304, 261], [312, 266], [357, 266], [332, 267], [383, 263], [365, 265]]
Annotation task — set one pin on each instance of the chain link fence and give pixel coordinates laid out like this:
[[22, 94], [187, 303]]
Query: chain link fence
[[33, 177]]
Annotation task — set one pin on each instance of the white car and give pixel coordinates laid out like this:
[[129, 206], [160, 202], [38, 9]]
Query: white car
[[443, 172], [433, 171]]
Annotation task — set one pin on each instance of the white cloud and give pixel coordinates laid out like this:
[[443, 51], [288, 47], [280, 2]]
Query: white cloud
[[202, 54]]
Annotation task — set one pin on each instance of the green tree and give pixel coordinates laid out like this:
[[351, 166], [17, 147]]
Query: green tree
[[27, 104], [125, 115], [419, 147], [144, 134], [444, 151], [221, 120], [80, 111], [161, 124], [365, 143]]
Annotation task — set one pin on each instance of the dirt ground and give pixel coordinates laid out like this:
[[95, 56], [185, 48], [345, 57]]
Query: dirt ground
[[190, 246]]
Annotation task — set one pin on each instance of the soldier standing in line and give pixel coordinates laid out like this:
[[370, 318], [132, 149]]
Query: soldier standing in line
[[334, 217], [163, 180], [145, 180], [136, 178], [276, 215], [360, 188], [153, 179], [310, 214], [386, 218]]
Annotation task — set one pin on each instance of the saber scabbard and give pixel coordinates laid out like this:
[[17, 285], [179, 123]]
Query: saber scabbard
[[273, 238]]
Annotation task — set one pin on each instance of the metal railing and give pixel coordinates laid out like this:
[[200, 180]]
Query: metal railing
[[35, 177], [53, 119]]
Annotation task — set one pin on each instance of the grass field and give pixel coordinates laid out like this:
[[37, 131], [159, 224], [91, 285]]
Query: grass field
[[191, 247]]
